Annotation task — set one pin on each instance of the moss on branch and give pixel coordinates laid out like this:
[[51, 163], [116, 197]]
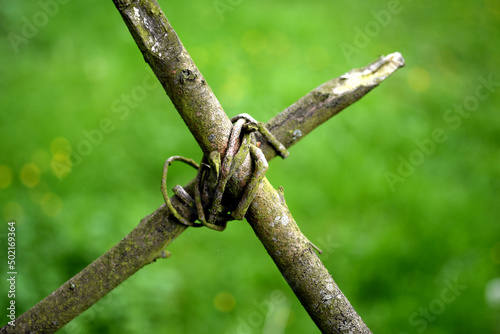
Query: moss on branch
[[268, 215]]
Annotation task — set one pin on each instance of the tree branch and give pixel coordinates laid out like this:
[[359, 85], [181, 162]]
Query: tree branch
[[329, 99], [176, 71], [272, 224], [290, 250]]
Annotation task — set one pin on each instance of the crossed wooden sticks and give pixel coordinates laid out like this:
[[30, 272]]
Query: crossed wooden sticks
[[268, 214]]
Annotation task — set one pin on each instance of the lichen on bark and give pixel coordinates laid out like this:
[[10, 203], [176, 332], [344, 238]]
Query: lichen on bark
[[269, 216]]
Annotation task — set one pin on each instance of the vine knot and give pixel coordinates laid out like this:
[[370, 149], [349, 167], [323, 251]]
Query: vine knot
[[215, 171]]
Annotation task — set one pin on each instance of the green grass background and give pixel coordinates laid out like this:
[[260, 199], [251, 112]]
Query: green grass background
[[393, 250]]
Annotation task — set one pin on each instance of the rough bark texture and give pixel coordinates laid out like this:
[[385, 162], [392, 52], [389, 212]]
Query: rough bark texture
[[268, 214], [176, 71], [307, 277]]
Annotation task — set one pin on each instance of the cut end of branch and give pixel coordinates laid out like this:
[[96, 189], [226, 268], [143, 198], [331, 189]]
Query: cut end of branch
[[395, 57], [373, 74], [385, 65]]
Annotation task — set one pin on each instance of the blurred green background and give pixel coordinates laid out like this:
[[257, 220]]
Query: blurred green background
[[400, 190]]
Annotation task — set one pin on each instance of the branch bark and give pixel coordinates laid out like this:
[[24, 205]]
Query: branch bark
[[273, 224]]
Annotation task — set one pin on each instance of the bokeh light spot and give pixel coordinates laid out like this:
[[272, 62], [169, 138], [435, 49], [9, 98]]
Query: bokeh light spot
[[280, 44], [60, 149], [61, 164], [30, 175], [51, 204], [5, 176], [224, 301], [12, 211], [61, 169], [37, 193], [41, 158], [419, 79], [495, 253], [253, 41], [235, 89]]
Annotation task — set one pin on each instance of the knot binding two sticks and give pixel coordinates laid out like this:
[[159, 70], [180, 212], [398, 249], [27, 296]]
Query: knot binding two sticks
[[213, 175]]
